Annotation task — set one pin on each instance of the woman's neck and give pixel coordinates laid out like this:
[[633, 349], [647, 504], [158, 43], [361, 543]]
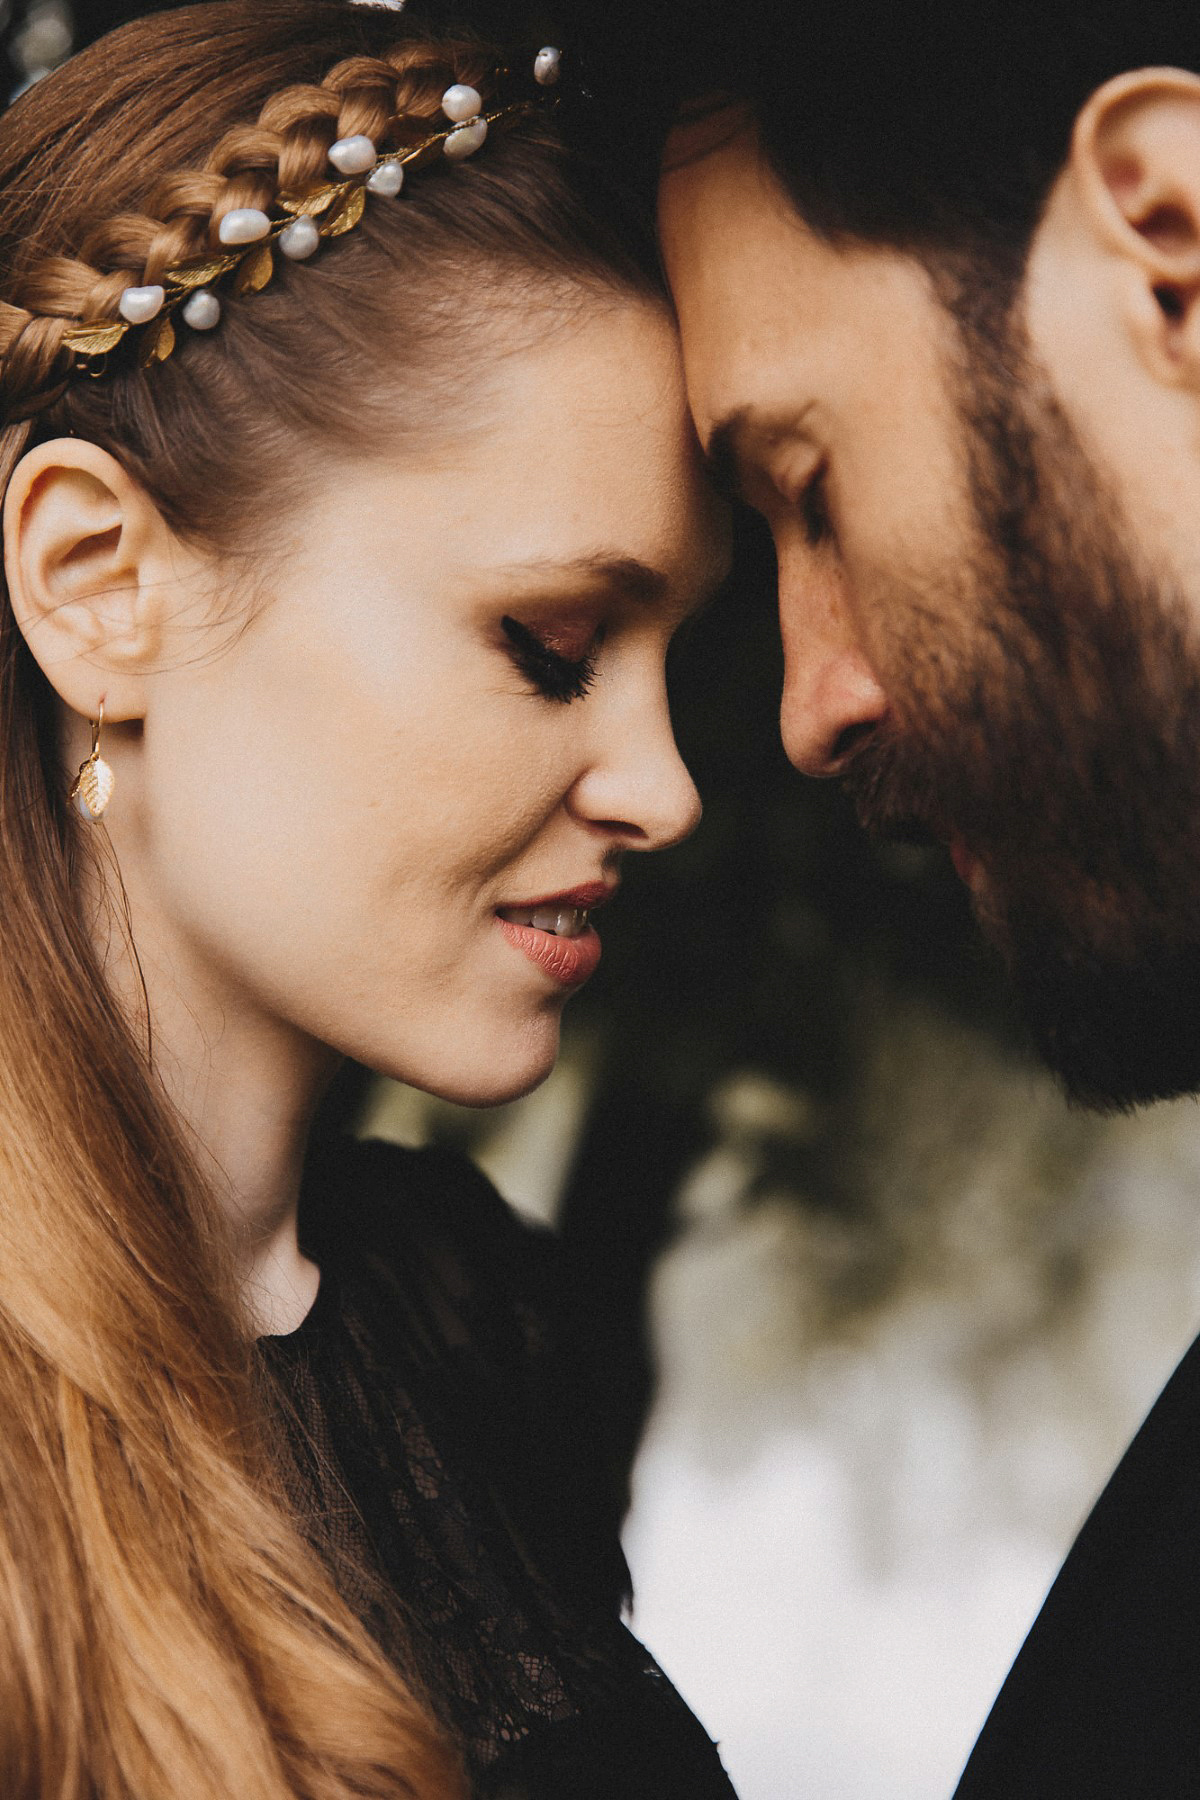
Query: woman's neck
[[245, 1086], [249, 1134]]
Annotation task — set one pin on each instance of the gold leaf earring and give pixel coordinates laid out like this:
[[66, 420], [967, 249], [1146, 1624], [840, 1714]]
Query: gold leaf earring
[[93, 786]]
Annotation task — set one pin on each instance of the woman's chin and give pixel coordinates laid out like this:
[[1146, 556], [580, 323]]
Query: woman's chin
[[485, 1074], [498, 1089]]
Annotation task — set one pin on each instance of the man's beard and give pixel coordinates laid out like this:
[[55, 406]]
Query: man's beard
[[1047, 713]]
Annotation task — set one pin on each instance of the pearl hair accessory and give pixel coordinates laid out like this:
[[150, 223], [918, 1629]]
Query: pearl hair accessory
[[141, 304], [92, 788], [352, 155], [299, 239], [547, 66], [460, 103], [202, 310], [244, 225], [249, 239], [464, 140], [387, 180]]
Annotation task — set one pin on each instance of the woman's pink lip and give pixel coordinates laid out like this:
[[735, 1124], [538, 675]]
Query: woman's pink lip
[[567, 960], [591, 895]]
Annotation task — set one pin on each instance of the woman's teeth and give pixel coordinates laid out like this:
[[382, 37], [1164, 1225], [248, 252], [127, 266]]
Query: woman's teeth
[[560, 921]]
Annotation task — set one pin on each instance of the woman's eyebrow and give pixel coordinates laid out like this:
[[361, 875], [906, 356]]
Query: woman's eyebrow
[[627, 576]]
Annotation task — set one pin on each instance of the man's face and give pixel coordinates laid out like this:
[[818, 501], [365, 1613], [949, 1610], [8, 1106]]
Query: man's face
[[978, 642]]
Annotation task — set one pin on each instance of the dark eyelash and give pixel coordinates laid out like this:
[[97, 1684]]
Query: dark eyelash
[[814, 511], [554, 676]]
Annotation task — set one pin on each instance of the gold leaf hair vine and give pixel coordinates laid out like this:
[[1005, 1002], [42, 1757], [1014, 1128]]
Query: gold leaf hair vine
[[250, 238]]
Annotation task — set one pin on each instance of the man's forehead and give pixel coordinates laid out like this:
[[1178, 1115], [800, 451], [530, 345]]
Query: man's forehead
[[718, 189], [745, 278], [772, 315]]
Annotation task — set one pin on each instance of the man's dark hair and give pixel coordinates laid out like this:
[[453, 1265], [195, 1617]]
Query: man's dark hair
[[933, 129]]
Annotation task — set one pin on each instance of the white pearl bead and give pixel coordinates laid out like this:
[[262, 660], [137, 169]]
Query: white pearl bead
[[201, 310], [353, 155], [137, 304], [299, 239], [547, 66], [461, 102], [465, 140], [387, 180], [244, 225]]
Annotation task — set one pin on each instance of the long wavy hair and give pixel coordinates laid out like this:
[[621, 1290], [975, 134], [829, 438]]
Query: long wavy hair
[[165, 1629]]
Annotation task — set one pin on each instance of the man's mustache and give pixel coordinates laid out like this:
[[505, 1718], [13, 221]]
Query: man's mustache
[[893, 786]]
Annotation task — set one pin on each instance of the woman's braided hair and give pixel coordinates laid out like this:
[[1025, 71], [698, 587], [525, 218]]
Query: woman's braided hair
[[165, 1630], [72, 249], [280, 162]]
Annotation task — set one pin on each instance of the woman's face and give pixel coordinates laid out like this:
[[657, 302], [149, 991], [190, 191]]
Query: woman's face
[[446, 712]]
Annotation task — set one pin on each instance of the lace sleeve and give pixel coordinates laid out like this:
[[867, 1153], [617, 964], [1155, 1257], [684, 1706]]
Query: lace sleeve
[[447, 1460], [497, 1310]]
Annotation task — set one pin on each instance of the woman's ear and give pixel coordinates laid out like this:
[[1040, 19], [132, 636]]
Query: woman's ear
[[86, 554], [1135, 160]]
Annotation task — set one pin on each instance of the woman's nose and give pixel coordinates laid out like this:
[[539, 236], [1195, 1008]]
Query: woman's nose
[[832, 698], [637, 787]]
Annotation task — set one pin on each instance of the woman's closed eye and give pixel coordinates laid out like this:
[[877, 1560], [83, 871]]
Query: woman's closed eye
[[554, 675]]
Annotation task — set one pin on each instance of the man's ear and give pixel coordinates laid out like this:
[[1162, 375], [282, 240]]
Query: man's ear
[[85, 553], [1135, 157]]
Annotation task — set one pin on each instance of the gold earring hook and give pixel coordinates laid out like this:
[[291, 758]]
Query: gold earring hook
[[92, 788]]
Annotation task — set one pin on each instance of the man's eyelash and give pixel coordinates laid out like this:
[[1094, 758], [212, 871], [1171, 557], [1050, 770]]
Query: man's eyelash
[[555, 677], [813, 510]]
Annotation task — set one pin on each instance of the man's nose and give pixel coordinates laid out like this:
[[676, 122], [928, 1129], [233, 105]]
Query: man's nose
[[827, 711], [832, 698]]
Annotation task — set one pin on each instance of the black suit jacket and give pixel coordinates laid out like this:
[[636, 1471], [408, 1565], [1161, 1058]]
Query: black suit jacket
[[1103, 1702]]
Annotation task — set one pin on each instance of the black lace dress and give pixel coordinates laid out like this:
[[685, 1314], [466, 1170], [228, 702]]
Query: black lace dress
[[445, 1457]]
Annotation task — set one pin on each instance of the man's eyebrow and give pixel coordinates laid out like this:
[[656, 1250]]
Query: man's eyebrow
[[721, 452], [625, 575], [728, 445]]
